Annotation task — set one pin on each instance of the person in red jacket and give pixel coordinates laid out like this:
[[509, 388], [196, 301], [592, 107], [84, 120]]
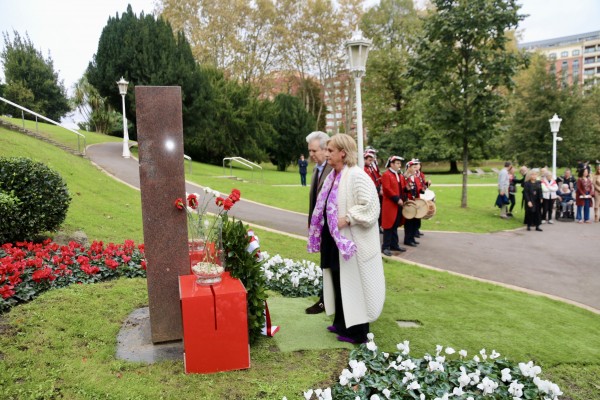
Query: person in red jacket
[[393, 188], [413, 191], [372, 169], [423, 184]]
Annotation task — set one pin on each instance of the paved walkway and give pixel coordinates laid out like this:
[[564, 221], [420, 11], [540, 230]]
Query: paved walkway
[[562, 261]]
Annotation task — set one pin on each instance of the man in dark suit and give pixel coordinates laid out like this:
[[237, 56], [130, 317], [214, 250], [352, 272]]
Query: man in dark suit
[[317, 144]]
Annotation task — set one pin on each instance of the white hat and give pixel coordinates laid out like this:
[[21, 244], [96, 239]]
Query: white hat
[[392, 159]]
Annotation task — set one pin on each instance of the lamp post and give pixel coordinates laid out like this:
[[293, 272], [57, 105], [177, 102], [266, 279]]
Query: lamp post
[[123, 90], [554, 127], [358, 51]]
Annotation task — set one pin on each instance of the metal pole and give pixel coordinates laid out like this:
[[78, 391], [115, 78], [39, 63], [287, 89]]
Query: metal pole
[[126, 153], [359, 127], [554, 155]]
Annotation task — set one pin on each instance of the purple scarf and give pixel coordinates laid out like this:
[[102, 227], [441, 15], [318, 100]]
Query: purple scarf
[[346, 247]]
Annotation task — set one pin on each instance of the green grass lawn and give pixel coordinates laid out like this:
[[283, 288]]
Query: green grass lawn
[[62, 345]]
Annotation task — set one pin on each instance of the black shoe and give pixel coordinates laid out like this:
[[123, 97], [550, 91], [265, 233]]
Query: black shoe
[[509, 214], [387, 252], [417, 236], [400, 249], [537, 228], [317, 308], [420, 233], [410, 244], [528, 228], [415, 242]]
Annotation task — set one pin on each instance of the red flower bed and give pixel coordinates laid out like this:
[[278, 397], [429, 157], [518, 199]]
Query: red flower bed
[[27, 269]]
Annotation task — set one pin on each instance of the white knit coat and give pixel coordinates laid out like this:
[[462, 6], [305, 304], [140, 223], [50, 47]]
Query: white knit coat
[[361, 278]]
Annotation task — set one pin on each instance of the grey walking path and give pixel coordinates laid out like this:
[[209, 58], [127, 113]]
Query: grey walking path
[[562, 261]]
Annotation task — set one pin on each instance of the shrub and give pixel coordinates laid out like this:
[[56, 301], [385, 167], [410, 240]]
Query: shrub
[[245, 266], [35, 197]]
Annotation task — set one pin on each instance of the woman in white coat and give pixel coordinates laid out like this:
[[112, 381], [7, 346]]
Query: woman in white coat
[[344, 229]]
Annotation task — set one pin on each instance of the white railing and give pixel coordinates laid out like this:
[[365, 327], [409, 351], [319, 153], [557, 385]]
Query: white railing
[[245, 163], [189, 162], [51, 121]]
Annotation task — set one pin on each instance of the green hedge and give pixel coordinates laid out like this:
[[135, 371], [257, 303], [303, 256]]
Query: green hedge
[[33, 199]]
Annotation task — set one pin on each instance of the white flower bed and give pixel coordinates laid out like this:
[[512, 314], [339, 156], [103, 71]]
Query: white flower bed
[[292, 278], [377, 375]]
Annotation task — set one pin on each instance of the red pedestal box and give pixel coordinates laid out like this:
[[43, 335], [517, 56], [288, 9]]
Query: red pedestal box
[[215, 325]]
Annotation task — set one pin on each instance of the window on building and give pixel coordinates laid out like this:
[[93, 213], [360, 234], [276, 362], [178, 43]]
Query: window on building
[[575, 69], [564, 68], [552, 56], [564, 54], [589, 49], [588, 71], [589, 60], [575, 53]]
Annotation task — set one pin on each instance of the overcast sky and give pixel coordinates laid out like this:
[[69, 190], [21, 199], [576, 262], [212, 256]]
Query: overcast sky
[[70, 29]]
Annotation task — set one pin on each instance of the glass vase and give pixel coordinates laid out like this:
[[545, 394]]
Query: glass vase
[[207, 258]]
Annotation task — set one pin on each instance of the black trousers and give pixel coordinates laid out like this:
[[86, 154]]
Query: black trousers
[[411, 227], [330, 258], [390, 236], [547, 211], [513, 201], [357, 332]]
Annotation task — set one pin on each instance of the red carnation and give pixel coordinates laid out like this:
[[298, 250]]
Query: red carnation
[[235, 195], [219, 201], [192, 200], [179, 203], [227, 204]]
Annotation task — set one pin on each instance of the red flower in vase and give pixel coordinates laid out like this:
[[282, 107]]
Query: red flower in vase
[[235, 195], [192, 200]]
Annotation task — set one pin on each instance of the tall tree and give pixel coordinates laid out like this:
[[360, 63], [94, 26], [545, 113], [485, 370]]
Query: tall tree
[[393, 25], [231, 121], [463, 59], [221, 117], [237, 36], [291, 123], [145, 51], [99, 115], [30, 78], [537, 96]]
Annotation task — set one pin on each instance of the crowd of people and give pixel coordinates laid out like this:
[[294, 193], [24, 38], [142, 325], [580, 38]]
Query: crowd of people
[[544, 197], [396, 187]]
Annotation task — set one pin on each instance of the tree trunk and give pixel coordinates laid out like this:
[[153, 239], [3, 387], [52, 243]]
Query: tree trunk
[[453, 167], [465, 160]]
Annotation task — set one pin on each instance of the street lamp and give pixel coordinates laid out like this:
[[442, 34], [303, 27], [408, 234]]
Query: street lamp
[[554, 127], [358, 50], [123, 90]]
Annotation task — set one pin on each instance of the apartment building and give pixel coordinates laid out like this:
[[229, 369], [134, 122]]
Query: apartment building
[[574, 58], [338, 97]]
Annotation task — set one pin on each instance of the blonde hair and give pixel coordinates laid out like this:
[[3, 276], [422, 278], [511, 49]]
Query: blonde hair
[[345, 143], [532, 171]]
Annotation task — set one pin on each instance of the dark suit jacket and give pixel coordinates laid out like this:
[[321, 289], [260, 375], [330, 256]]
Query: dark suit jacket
[[315, 188]]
